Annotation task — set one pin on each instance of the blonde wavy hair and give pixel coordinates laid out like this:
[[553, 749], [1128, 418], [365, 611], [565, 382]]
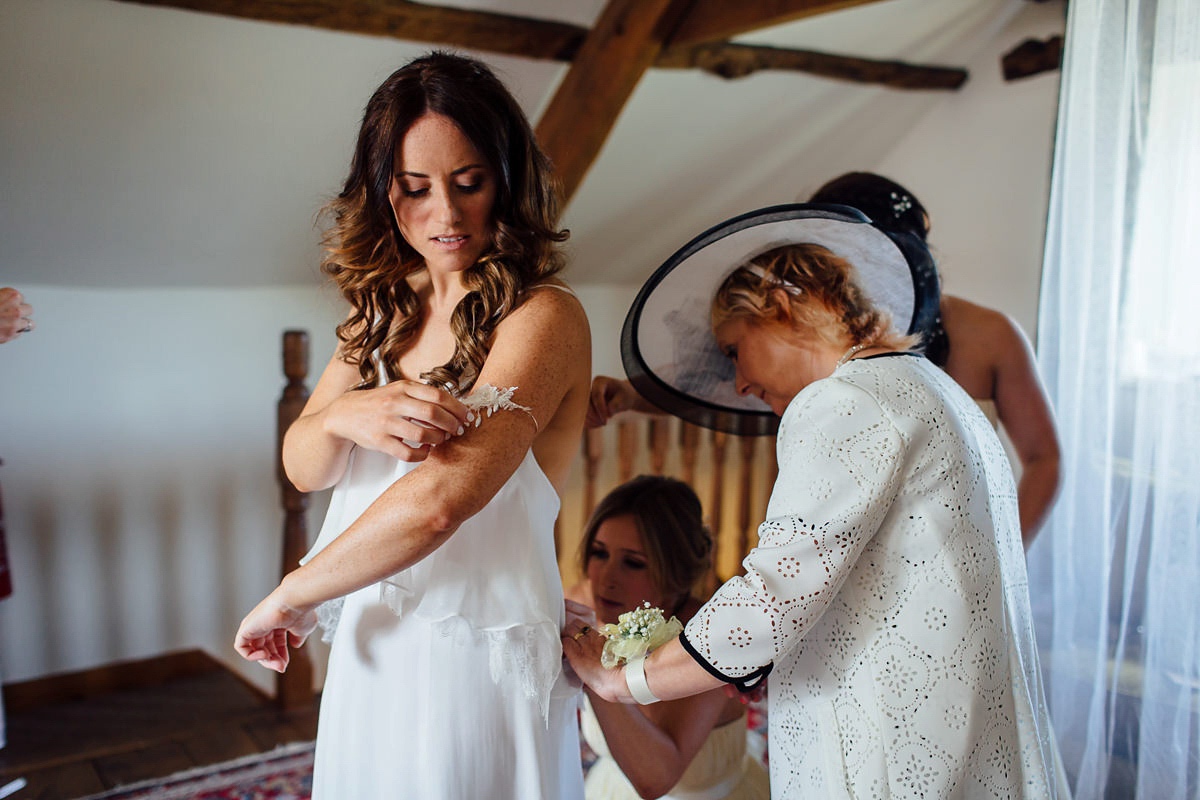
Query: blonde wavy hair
[[823, 300], [368, 258]]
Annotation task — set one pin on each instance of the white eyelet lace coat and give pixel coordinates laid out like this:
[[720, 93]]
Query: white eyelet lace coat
[[888, 592]]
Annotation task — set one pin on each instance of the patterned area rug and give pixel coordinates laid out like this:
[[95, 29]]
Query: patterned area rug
[[284, 773]]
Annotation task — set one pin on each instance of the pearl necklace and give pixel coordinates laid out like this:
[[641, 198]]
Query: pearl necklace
[[846, 356]]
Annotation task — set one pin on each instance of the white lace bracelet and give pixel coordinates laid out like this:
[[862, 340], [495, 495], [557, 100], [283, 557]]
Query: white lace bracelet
[[635, 681]]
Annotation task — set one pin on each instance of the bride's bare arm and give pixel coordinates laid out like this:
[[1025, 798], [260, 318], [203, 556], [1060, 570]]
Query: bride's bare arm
[[543, 349], [403, 419]]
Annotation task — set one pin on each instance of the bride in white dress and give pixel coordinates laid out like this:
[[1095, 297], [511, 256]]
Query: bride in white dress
[[446, 422]]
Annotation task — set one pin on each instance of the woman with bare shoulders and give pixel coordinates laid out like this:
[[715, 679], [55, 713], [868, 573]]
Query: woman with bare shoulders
[[646, 542], [984, 350], [445, 422]]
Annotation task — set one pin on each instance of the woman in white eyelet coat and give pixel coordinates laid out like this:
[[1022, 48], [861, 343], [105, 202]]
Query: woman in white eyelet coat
[[886, 597]]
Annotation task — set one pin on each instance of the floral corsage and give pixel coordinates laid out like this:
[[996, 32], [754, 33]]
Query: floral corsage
[[636, 633]]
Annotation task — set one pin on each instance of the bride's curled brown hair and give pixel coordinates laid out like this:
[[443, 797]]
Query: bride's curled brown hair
[[367, 257], [822, 296]]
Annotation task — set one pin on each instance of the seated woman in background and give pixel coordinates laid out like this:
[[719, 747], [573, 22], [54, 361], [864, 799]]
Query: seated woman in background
[[646, 542]]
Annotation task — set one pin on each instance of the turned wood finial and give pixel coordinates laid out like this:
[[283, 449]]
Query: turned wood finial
[[295, 356]]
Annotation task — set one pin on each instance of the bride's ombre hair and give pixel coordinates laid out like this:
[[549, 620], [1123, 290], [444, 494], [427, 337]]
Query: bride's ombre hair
[[368, 258]]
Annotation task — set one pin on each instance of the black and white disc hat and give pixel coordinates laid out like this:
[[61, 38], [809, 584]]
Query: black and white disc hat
[[667, 344]]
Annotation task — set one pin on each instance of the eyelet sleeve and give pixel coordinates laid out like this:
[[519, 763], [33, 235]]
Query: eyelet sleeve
[[840, 467]]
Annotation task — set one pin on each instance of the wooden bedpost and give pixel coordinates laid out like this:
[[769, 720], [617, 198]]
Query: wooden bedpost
[[749, 448], [689, 444], [294, 688], [716, 497], [658, 441], [593, 452], [627, 445]]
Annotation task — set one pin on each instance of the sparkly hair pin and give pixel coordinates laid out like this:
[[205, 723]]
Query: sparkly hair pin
[[758, 271], [900, 203]]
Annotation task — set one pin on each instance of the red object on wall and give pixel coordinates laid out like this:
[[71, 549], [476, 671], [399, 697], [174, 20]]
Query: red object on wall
[[5, 576]]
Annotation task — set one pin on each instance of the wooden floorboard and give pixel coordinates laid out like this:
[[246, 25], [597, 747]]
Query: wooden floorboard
[[78, 737], [77, 779]]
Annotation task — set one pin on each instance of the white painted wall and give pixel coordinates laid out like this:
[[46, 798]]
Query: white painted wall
[[137, 431]]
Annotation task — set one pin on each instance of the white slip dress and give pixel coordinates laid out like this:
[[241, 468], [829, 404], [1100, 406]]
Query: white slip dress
[[445, 681]]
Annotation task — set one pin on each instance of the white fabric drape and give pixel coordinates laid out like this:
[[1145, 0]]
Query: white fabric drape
[[1116, 576]]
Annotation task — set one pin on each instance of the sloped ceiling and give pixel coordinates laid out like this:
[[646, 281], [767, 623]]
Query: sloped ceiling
[[151, 146]]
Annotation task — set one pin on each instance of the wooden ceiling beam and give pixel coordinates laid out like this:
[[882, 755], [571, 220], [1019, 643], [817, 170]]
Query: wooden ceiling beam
[[716, 20], [730, 60], [402, 19], [607, 62], [624, 42], [557, 41]]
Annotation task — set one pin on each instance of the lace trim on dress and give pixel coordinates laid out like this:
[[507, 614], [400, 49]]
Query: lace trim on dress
[[528, 654], [328, 614]]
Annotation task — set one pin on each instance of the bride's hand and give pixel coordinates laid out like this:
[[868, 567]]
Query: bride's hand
[[581, 613], [270, 629], [403, 419]]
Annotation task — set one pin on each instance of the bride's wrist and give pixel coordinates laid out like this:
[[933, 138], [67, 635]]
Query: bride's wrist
[[289, 594]]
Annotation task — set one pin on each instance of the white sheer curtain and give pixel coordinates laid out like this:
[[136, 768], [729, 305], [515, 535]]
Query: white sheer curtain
[[1115, 578]]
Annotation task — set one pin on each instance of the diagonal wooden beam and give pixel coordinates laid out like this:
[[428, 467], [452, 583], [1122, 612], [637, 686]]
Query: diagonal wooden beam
[[730, 60], [622, 45], [715, 20], [403, 19]]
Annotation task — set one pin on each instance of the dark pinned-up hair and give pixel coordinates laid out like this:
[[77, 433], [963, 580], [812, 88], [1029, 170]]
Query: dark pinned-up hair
[[892, 207], [885, 202], [670, 519], [368, 258]]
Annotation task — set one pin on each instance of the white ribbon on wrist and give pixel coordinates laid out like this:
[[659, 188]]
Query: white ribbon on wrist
[[635, 681]]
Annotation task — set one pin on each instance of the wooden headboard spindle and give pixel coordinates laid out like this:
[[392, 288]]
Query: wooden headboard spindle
[[294, 688]]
